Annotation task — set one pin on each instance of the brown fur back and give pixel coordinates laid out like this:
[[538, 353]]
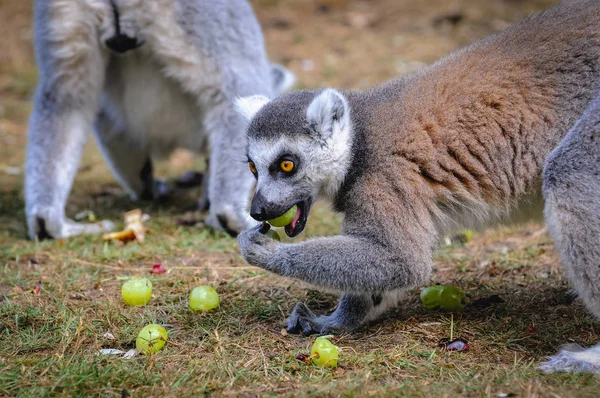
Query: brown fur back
[[476, 127]]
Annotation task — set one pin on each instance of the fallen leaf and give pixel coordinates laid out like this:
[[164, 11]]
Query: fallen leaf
[[158, 269], [454, 345], [131, 353], [530, 329], [111, 351]]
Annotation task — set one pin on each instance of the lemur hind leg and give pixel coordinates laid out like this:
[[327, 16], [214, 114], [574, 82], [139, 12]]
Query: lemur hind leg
[[572, 192], [353, 311], [65, 104]]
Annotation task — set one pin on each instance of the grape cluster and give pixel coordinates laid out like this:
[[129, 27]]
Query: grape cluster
[[446, 297]]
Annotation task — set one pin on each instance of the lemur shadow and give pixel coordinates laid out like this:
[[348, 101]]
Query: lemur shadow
[[533, 320], [113, 200]]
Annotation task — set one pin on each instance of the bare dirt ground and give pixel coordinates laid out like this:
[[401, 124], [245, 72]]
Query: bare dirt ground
[[49, 341]]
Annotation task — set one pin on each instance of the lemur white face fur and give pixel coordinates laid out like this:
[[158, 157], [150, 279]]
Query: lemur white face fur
[[294, 167]]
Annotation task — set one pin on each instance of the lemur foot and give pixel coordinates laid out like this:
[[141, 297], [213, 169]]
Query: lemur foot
[[303, 320], [351, 313], [573, 358], [46, 228]]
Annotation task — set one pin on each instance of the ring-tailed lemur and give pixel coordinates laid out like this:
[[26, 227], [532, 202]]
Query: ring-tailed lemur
[[150, 76], [460, 140]]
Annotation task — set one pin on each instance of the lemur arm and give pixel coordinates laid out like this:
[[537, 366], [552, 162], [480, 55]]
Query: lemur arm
[[345, 263]]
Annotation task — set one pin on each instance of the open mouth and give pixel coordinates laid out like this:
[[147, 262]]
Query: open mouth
[[299, 221]]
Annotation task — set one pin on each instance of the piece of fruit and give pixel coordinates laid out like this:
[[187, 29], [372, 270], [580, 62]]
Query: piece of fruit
[[454, 345], [468, 235], [286, 218], [123, 236], [324, 353], [273, 235], [158, 269], [137, 291], [430, 296], [134, 228], [452, 298], [151, 339], [204, 298]]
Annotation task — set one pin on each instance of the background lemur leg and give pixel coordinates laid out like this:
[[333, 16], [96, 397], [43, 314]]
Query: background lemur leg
[[65, 105], [56, 141], [129, 162], [229, 180], [353, 311], [572, 192]]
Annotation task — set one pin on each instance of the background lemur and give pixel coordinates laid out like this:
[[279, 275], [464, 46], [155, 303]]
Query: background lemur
[[458, 142], [150, 76]]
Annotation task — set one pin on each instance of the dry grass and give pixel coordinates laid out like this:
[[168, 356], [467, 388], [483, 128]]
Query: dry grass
[[50, 340]]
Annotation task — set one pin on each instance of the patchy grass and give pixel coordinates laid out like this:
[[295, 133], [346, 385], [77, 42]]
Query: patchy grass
[[52, 338], [49, 341]]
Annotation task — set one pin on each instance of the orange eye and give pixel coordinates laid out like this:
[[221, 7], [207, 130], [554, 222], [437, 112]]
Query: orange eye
[[252, 167], [286, 166]]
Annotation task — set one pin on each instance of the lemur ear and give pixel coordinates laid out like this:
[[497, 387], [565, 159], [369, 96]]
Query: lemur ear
[[247, 107], [328, 114]]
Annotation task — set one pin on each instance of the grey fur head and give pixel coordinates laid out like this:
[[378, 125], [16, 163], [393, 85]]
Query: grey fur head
[[313, 130]]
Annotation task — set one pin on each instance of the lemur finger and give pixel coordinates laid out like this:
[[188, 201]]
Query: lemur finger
[[264, 227], [301, 320]]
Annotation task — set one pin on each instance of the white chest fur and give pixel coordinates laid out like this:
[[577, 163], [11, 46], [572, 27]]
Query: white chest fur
[[157, 112]]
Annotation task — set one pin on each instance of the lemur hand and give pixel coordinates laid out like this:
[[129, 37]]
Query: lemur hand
[[257, 248]]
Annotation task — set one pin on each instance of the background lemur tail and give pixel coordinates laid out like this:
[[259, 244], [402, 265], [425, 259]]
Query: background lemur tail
[[283, 78]]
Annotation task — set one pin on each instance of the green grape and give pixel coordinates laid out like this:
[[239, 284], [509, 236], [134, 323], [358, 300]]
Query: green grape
[[286, 218], [468, 235], [324, 353], [430, 296], [273, 235], [452, 298], [151, 339], [204, 298], [136, 291]]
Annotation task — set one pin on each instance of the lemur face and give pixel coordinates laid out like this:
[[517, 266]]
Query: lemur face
[[298, 147], [283, 173]]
